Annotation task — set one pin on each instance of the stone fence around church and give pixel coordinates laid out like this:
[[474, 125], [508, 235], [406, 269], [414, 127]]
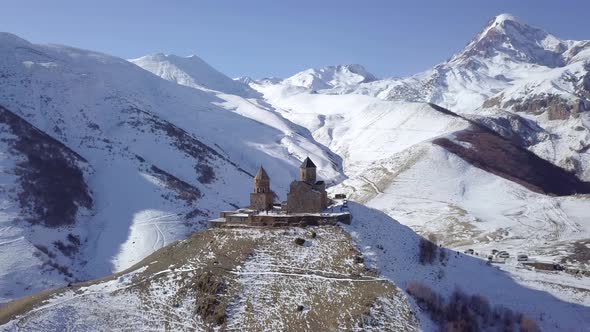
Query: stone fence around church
[[242, 218]]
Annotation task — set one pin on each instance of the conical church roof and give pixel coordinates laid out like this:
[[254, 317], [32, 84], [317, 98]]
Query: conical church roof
[[307, 163], [261, 175]]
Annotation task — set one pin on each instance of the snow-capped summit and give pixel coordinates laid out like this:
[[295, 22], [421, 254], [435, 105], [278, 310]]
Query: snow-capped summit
[[505, 17], [331, 77], [513, 40], [245, 79], [191, 71]]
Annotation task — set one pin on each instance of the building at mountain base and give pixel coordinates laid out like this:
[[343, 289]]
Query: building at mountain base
[[307, 204]]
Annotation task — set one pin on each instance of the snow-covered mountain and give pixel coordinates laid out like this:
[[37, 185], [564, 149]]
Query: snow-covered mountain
[[193, 72], [477, 151], [150, 160], [507, 52], [330, 77], [475, 175], [511, 73]]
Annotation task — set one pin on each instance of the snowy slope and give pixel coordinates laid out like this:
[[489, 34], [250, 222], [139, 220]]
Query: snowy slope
[[226, 279], [42, 186], [554, 302], [165, 157], [229, 278], [393, 164], [191, 71], [437, 192], [509, 68], [296, 140], [361, 129]]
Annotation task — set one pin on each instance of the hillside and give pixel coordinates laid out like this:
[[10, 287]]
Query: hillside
[[252, 279], [468, 172], [193, 72], [151, 161], [259, 279]]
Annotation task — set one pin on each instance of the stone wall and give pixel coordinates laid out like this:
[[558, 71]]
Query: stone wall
[[308, 175], [298, 220], [321, 187], [261, 201], [302, 199]]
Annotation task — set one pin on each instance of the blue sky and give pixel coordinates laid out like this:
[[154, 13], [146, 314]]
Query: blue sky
[[281, 37]]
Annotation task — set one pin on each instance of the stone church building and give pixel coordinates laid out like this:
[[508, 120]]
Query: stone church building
[[306, 204], [306, 195]]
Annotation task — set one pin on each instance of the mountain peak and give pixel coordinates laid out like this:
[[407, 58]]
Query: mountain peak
[[331, 76], [510, 38], [502, 18], [505, 24], [191, 71]]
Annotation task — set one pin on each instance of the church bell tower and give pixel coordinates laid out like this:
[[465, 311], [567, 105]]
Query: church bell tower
[[261, 199], [307, 170]]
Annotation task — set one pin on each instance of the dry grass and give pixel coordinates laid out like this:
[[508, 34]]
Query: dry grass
[[198, 282]]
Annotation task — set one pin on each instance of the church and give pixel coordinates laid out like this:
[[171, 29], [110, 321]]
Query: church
[[307, 204], [306, 195]]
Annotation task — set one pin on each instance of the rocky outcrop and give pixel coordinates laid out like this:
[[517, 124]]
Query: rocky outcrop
[[515, 128], [557, 107], [583, 86]]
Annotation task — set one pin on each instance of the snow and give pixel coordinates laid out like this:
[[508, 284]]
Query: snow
[[509, 62], [504, 17], [123, 120], [453, 192], [330, 77], [393, 249], [370, 139], [294, 141], [261, 292], [191, 71], [363, 129]]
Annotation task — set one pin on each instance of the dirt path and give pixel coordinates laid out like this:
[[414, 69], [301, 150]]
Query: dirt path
[[372, 184]]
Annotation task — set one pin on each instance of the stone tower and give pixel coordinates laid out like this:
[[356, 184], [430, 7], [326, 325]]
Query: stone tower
[[261, 198], [307, 170], [307, 195]]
